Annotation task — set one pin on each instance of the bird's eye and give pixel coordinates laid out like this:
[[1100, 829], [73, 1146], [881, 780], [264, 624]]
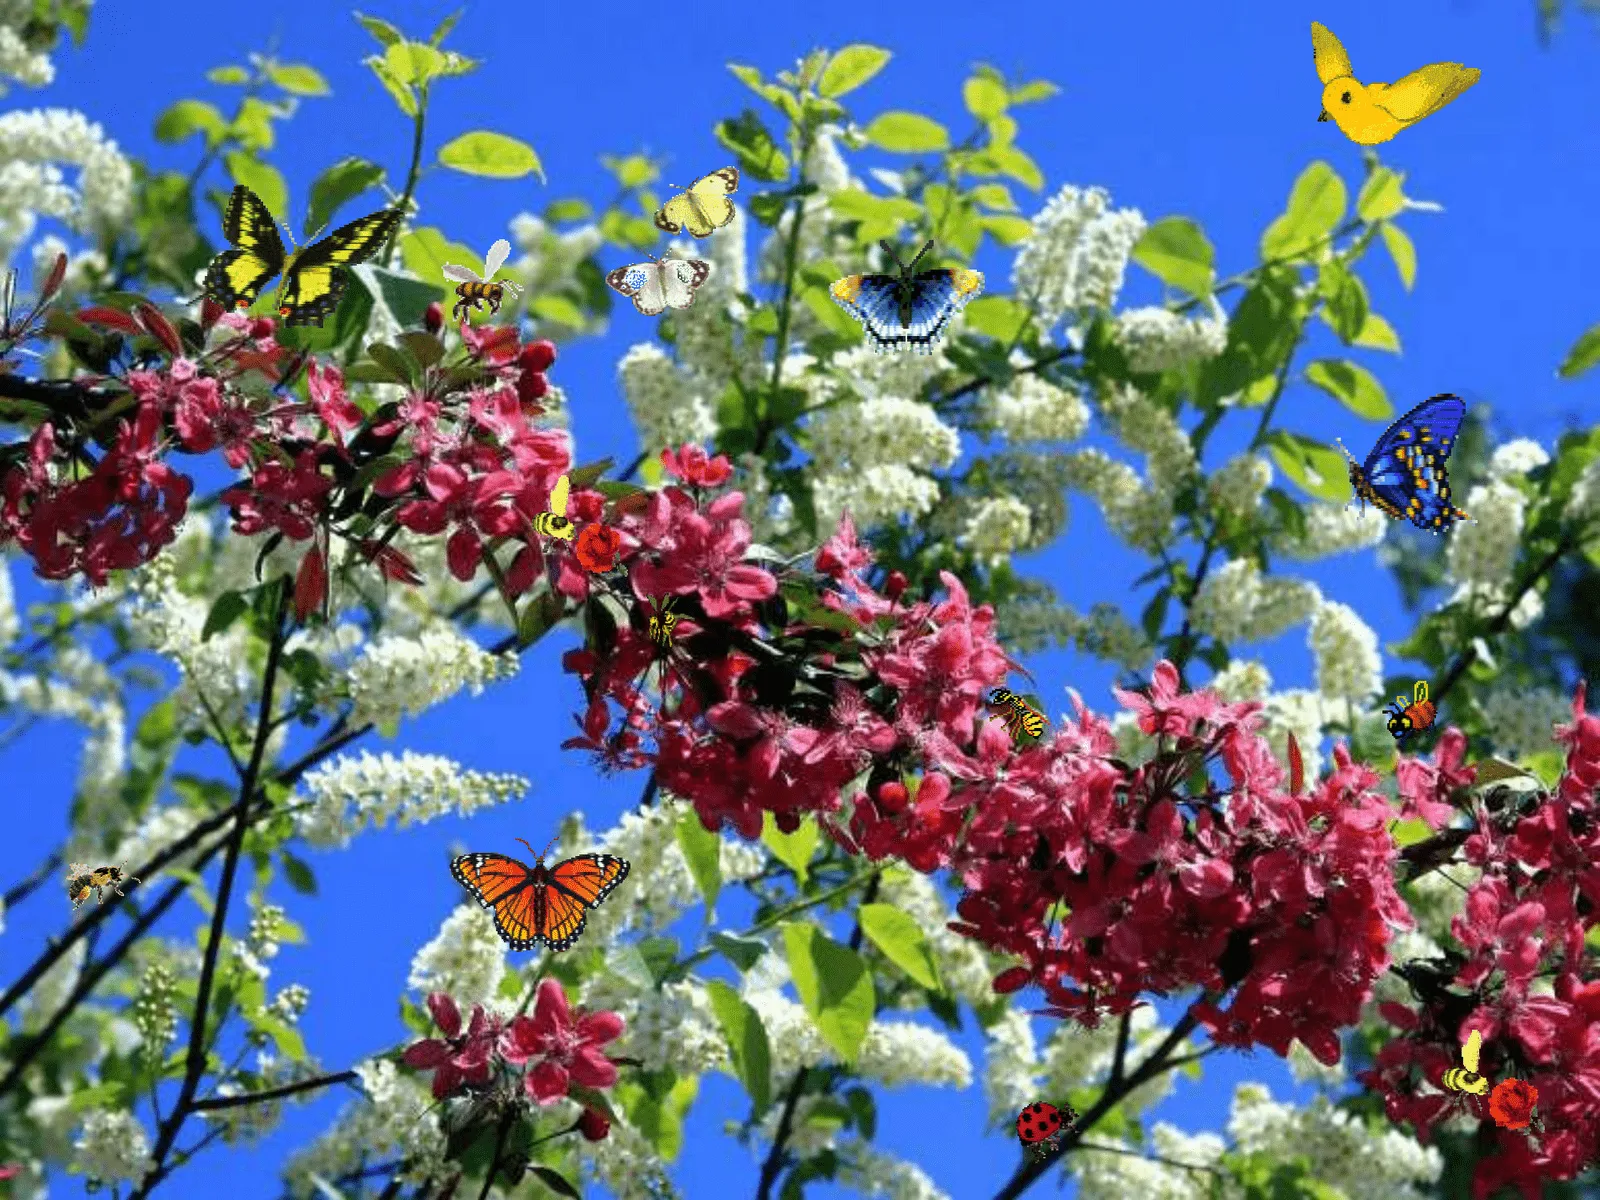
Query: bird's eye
[[1345, 99]]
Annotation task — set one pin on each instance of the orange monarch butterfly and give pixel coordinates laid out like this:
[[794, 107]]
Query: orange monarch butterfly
[[534, 904]]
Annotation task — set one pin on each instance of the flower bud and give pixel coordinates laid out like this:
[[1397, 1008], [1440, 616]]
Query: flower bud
[[594, 1125], [894, 587], [433, 317], [787, 822], [537, 356], [1012, 979], [531, 387], [893, 797]]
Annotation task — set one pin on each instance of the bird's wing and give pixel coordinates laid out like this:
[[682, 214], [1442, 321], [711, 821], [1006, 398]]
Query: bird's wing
[[1332, 62], [1424, 91]]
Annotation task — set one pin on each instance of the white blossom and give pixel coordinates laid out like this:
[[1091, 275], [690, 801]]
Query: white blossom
[[1583, 504], [1011, 1066], [395, 1116], [1076, 256], [964, 968], [1139, 515], [1075, 1057], [1516, 457], [892, 1053], [1030, 409], [1489, 600], [1143, 425], [1349, 666], [397, 676], [1332, 530], [873, 1172], [1237, 603], [873, 495], [549, 260], [999, 526], [1307, 1068], [10, 622], [1520, 720], [112, 1147], [624, 1162], [32, 185], [1158, 339], [465, 960], [670, 1026], [1484, 550], [1242, 679], [668, 407], [1235, 488], [1114, 1175], [159, 828], [1301, 713], [29, 68], [367, 791]]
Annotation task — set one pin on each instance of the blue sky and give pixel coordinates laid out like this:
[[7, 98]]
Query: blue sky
[[1207, 111]]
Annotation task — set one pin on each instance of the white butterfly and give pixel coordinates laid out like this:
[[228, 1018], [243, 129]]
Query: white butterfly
[[660, 283]]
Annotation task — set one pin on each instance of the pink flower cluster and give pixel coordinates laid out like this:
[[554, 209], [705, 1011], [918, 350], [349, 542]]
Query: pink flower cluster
[[1526, 920], [555, 1048]]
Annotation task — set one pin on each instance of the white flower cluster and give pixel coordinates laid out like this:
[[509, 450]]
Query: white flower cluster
[[1376, 1164], [893, 1052], [160, 827], [10, 622], [1076, 256], [1332, 530], [395, 1116], [1307, 1068], [289, 1005], [1030, 409], [32, 144], [366, 791], [112, 1147], [1123, 1172], [1302, 713], [1349, 666], [1516, 457], [84, 267], [1583, 504], [770, 514], [1489, 600], [870, 457], [1011, 1066], [1139, 515], [1076, 1056], [1235, 488], [1000, 526], [669, 408], [1242, 679], [1111, 637], [153, 1011], [30, 68], [1520, 720], [1143, 425], [1236, 603], [466, 959], [1158, 339], [249, 1123], [77, 685], [549, 259], [708, 337], [671, 1026], [873, 1172], [1484, 550], [398, 676], [964, 969]]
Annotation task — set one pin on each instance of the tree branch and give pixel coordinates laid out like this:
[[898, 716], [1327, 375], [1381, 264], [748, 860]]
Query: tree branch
[[17, 894], [277, 1093]]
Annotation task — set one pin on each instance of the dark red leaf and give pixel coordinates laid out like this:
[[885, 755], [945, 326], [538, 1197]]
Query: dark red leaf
[[52, 285], [1297, 767], [310, 584], [111, 317], [160, 328]]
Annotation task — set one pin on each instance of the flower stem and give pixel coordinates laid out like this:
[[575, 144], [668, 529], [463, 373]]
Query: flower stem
[[277, 1093]]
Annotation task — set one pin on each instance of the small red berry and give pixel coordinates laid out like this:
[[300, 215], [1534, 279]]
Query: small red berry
[[594, 1125], [262, 327], [787, 822], [893, 797], [433, 317], [894, 587], [532, 387], [537, 356]]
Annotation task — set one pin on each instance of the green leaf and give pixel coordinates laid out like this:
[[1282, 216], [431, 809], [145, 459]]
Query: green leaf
[[742, 952], [229, 75], [1381, 195], [1318, 469], [1034, 91], [555, 1181], [299, 873], [405, 298], [1584, 354], [993, 195], [834, 985], [260, 178], [907, 133], [702, 850], [756, 149], [297, 79], [1012, 162], [747, 1042], [400, 369], [794, 850], [425, 251], [556, 309], [1403, 253], [1001, 317], [902, 941], [443, 28], [401, 92], [225, 610], [984, 97], [343, 181], [1316, 206], [1345, 299], [1353, 386], [385, 33], [253, 124], [491, 154], [634, 171], [1175, 251], [850, 68], [414, 64], [1007, 229], [188, 117], [1378, 334]]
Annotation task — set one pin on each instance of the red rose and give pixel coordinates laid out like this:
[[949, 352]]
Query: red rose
[[1511, 1103], [597, 547]]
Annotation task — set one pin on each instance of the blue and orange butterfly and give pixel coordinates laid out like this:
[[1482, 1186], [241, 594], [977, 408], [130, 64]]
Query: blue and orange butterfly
[[534, 904], [1404, 476], [906, 311]]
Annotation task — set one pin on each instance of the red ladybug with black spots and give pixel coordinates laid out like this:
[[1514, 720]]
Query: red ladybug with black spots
[[1040, 1126]]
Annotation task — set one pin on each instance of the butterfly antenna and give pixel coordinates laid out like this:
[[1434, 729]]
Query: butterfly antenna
[[889, 250], [531, 850], [926, 246], [290, 232]]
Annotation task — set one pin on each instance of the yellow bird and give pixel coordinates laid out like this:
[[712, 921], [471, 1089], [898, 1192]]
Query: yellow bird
[[1369, 113]]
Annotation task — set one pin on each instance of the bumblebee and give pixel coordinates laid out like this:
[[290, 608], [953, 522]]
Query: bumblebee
[[81, 881], [476, 291], [554, 523], [1465, 1078], [662, 622], [1404, 720], [1017, 713]]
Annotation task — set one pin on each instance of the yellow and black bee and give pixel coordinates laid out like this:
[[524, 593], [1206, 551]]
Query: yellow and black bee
[[313, 279], [1407, 719], [662, 622], [1465, 1078], [81, 881], [1017, 713], [554, 523], [474, 291]]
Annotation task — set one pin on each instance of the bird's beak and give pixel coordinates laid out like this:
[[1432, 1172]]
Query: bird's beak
[[1323, 115]]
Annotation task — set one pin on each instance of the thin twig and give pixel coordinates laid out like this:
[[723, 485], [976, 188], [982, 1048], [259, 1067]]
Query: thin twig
[[277, 1093], [20, 892]]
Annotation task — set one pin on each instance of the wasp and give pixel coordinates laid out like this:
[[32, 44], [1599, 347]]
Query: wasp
[[662, 622], [554, 523], [475, 292], [1017, 713], [1404, 720], [81, 881]]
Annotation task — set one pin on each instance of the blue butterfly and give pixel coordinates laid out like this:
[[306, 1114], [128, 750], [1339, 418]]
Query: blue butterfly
[[905, 310], [1404, 476]]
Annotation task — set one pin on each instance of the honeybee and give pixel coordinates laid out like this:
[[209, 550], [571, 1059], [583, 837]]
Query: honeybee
[[1404, 720], [662, 621], [1466, 1078], [554, 523], [81, 881], [1017, 713], [474, 292]]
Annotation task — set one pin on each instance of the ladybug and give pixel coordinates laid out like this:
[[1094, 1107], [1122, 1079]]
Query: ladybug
[[1040, 1125]]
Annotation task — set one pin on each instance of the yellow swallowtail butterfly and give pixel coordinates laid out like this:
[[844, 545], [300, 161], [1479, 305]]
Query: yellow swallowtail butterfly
[[704, 205], [313, 281]]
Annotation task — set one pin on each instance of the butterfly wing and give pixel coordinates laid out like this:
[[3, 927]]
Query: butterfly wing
[[315, 281], [508, 889], [558, 496], [574, 886], [1469, 1051], [643, 284], [703, 206], [681, 277], [874, 300], [235, 277], [1405, 474]]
